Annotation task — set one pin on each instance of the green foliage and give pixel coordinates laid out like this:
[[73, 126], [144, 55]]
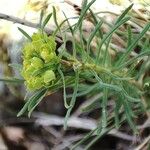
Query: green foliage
[[12, 80], [33, 102], [115, 79], [25, 34]]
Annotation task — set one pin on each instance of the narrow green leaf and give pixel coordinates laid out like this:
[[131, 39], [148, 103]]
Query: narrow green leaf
[[96, 138], [97, 27], [55, 19], [46, 20], [113, 76], [110, 86], [144, 68], [130, 48], [129, 114], [117, 109], [132, 60], [72, 102], [130, 121], [12, 80], [83, 13], [129, 36], [41, 18], [24, 109], [70, 28], [105, 85], [73, 37], [108, 35], [61, 24], [81, 35], [88, 135], [124, 13], [36, 100], [146, 45], [84, 3], [92, 106], [82, 42], [131, 99], [35, 97], [64, 87], [25, 34], [96, 22], [86, 91], [107, 58], [106, 55]]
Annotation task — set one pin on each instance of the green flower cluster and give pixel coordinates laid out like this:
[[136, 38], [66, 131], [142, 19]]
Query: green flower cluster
[[39, 61]]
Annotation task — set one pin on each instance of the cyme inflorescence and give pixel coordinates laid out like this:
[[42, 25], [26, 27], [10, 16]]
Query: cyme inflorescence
[[39, 61]]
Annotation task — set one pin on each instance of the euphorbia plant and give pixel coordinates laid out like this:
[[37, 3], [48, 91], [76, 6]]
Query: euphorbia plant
[[88, 70], [39, 61]]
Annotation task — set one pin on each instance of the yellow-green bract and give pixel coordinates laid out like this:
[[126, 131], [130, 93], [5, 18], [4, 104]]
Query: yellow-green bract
[[39, 61]]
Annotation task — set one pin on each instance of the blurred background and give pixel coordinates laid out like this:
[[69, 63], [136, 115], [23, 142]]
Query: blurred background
[[44, 130]]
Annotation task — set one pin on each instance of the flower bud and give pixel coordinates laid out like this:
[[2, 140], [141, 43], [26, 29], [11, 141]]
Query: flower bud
[[45, 55], [36, 63], [38, 54], [49, 76]]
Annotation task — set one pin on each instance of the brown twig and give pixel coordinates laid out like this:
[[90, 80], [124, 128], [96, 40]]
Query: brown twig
[[18, 20], [67, 142], [78, 123], [141, 146], [27, 23]]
